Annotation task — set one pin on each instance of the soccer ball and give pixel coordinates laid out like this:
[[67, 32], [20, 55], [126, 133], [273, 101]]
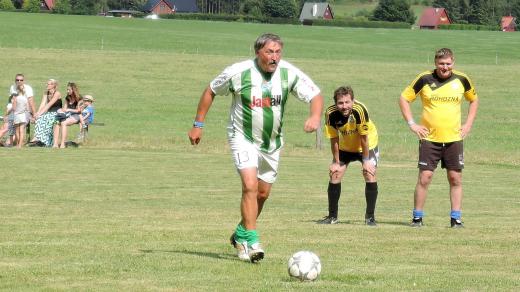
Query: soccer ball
[[304, 265]]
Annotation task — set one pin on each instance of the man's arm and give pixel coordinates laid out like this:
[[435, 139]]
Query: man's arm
[[472, 113], [32, 107], [195, 134], [368, 166], [51, 102], [334, 148], [314, 120], [42, 105], [420, 130]]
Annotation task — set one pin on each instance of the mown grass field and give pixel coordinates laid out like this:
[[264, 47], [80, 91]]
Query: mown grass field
[[137, 208]]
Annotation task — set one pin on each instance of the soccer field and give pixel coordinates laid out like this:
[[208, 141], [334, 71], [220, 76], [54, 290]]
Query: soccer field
[[139, 208]]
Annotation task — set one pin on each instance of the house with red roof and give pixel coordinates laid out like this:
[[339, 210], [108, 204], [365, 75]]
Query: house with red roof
[[508, 23], [432, 17], [170, 6], [313, 10], [46, 4]]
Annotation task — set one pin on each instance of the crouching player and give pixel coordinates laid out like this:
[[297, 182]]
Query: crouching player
[[353, 137]]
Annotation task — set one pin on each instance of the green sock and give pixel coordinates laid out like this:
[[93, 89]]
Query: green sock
[[242, 234], [252, 237]]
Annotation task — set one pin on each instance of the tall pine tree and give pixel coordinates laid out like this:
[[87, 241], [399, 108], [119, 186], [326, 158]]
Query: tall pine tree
[[394, 11]]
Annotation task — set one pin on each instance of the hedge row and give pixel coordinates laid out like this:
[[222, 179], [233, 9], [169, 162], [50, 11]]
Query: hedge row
[[456, 26], [360, 23], [229, 18], [320, 22]]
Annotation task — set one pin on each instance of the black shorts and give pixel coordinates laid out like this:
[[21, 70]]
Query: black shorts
[[450, 154], [347, 157]]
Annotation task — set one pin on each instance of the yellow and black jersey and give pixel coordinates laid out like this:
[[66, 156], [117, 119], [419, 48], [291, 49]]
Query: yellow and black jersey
[[441, 102], [350, 128]]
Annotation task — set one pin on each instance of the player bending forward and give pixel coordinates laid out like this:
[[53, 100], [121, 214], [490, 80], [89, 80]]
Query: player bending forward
[[353, 137]]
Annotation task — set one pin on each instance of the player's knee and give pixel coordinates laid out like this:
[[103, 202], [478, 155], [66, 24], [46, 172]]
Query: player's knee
[[455, 180], [425, 178], [262, 196], [249, 191], [369, 177]]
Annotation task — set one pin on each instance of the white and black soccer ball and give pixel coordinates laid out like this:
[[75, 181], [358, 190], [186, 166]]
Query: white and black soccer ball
[[304, 265]]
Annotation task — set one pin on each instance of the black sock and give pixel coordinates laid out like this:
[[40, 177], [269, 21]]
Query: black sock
[[334, 191], [371, 198]]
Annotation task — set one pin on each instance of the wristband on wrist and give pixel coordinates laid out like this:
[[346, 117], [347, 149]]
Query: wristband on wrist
[[411, 122], [199, 125], [366, 159]]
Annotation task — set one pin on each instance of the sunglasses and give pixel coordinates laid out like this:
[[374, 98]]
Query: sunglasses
[[18, 80]]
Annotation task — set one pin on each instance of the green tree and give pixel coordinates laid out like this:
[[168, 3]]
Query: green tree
[[62, 7], [515, 9], [221, 6], [394, 11], [126, 4], [6, 5], [279, 8], [463, 11], [18, 4], [481, 12], [32, 6], [252, 8], [87, 7]]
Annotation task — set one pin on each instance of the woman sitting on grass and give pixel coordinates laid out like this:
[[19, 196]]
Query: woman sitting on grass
[[72, 109], [46, 130], [8, 126]]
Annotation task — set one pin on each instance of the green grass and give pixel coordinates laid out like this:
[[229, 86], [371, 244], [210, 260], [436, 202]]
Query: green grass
[[138, 208]]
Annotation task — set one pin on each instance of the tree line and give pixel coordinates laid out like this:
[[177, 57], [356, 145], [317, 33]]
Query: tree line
[[482, 12], [84, 7], [485, 12], [272, 8]]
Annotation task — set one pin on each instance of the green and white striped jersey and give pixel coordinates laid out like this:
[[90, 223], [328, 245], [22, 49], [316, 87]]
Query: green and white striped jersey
[[259, 100]]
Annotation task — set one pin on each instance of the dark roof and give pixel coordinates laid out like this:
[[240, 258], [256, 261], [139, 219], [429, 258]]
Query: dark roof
[[186, 6], [313, 10], [177, 5], [433, 17]]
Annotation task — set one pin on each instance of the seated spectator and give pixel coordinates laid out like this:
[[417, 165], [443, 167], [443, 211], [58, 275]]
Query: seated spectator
[[87, 115], [46, 129], [8, 124], [71, 111]]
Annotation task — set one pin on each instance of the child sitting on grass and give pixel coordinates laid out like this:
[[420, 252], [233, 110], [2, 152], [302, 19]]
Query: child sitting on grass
[[8, 125], [87, 115]]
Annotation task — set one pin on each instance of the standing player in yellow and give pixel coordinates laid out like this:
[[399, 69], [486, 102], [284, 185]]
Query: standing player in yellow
[[440, 132], [353, 137]]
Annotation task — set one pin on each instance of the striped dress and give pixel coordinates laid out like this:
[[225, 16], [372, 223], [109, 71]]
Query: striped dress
[[43, 131]]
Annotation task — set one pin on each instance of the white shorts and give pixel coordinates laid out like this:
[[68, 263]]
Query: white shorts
[[20, 118], [247, 155]]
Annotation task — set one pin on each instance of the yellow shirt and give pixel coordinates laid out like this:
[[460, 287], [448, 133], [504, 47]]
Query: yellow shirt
[[441, 102], [349, 129]]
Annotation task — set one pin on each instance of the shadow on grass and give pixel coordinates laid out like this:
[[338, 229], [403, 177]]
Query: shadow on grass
[[348, 222], [194, 253]]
